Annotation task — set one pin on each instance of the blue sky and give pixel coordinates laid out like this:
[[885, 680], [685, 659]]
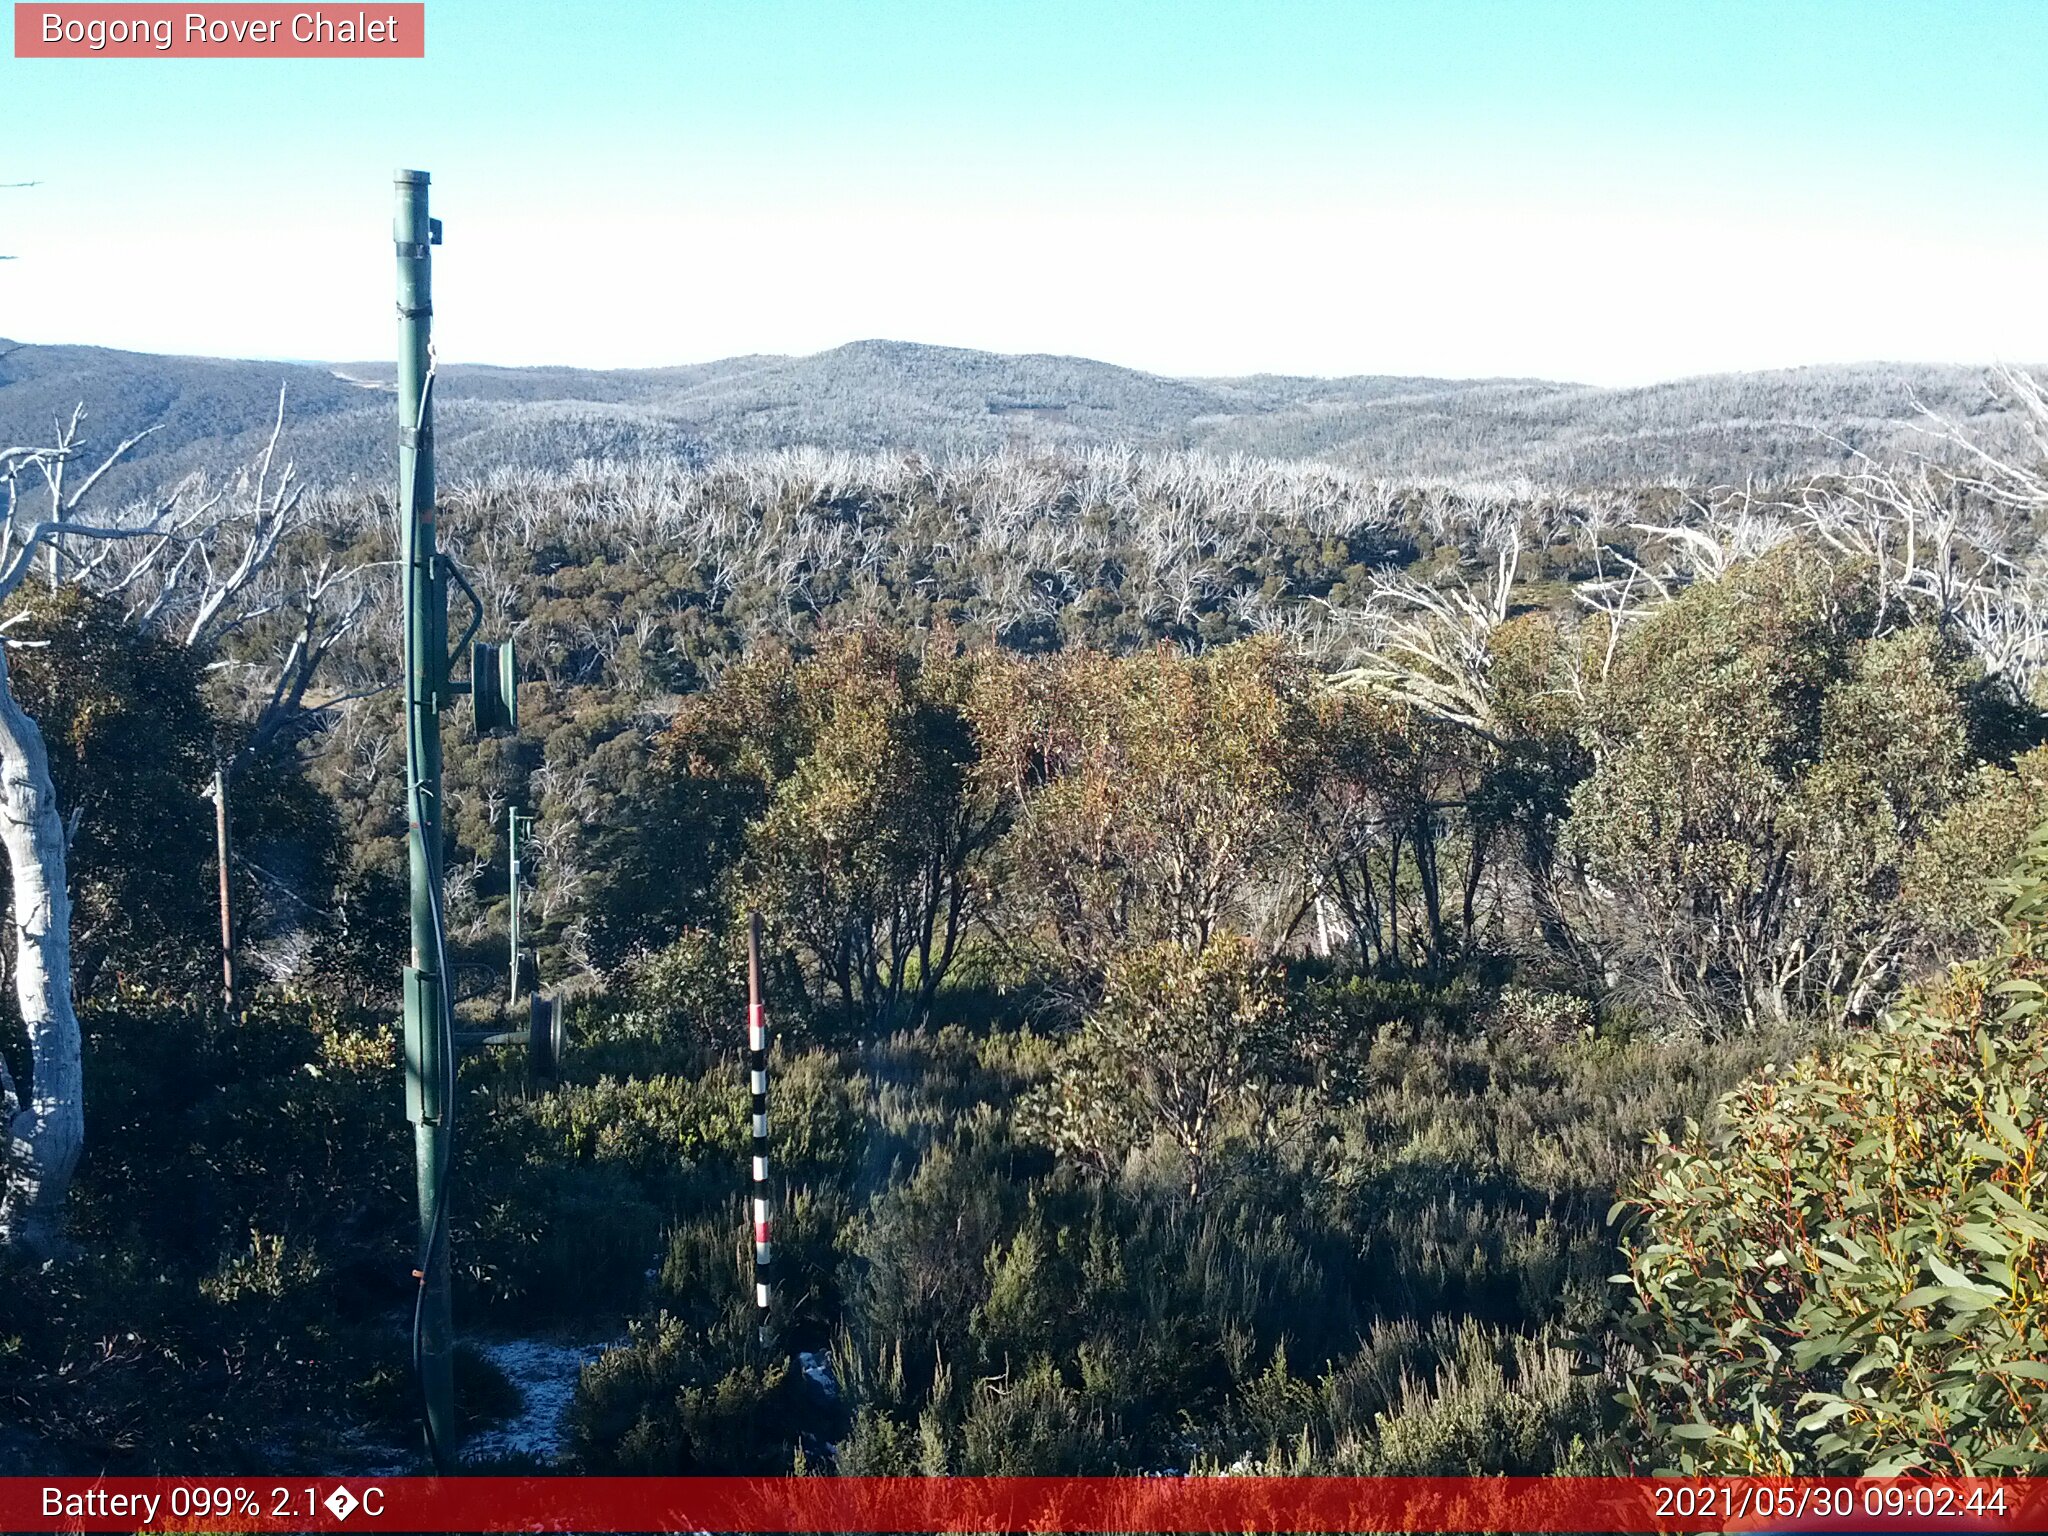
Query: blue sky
[[1608, 192]]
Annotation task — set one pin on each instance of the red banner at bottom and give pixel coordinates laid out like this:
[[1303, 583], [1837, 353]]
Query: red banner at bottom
[[1035, 1504]]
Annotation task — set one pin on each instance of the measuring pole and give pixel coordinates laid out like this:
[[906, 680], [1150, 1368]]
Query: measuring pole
[[757, 1071], [512, 829], [429, 1050]]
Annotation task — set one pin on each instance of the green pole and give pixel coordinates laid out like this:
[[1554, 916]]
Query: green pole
[[429, 1048]]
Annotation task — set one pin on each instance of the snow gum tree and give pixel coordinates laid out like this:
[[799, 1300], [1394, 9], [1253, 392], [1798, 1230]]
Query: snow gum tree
[[1179, 1044], [869, 824], [1768, 750], [46, 1133], [45, 1129], [204, 563]]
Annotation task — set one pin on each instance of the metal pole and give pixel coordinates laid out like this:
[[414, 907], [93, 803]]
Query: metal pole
[[512, 820], [429, 1048], [757, 1071]]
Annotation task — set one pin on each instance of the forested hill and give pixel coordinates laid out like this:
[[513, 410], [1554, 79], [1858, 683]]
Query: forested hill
[[896, 395]]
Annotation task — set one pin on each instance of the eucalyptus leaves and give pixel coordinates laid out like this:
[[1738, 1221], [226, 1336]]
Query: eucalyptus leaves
[[1850, 1273]]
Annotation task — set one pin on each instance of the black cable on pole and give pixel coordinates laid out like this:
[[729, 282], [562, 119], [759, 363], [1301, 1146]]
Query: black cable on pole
[[437, 1234], [435, 1240]]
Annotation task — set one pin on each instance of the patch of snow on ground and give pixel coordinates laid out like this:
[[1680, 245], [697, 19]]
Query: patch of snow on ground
[[817, 1370], [546, 1373]]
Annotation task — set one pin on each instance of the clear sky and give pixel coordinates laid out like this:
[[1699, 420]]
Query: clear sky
[[1608, 192]]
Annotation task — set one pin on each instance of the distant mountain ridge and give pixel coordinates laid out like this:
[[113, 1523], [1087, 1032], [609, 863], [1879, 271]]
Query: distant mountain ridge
[[901, 396]]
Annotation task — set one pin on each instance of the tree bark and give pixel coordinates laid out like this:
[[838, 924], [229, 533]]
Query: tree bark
[[47, 1133], [223, 857]]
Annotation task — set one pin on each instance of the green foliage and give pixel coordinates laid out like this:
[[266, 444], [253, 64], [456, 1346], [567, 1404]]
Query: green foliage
[[567, 1191], [241, 1227], [1033, 1426], [1177, 1044], [661, 1125], [1510, 1406], [290, 855], [540, 1242], [1418, 820], [1767, 753], [805, 684], [1456, 1399], [1851, 1272], [268, 1271], [919, 1265], [1183, 1062], [692, 990], [130, 742], [1476, 1169], [815, 1124], [863, 854], [681, 1399], [656, 843], [1950, 877], [1155, 793], [1457, 1176]]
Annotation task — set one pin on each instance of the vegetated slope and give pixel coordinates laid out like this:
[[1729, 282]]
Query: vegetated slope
[[208, 411], [1307, 1174], [1718, 429], [896, 396]]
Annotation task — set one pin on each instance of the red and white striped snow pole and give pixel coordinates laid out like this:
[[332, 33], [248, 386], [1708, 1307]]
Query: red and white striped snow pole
[[757, 1073]]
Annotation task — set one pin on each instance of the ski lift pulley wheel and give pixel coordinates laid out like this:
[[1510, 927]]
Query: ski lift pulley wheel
[[546, 1036], [494, 687]]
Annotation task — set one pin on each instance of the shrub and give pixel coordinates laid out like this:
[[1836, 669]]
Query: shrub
[[1034, 1426], [692, 989], [918, 1261], [129, 740], [682, 1399], [553, 1241], [1155, 795], [1850, 1273], [1950, 882], [1180, 1041], [648, 1126], [815, 1125], [1770, 750], [1458, 1398], [1501, 1405], [241, 1230]]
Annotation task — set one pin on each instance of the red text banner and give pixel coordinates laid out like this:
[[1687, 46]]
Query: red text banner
[[968, 1504], [221, 31]]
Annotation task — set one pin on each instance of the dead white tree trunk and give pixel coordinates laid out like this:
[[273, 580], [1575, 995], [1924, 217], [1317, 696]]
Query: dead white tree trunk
[[46, 1134], [234, 570], [204, 568]]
